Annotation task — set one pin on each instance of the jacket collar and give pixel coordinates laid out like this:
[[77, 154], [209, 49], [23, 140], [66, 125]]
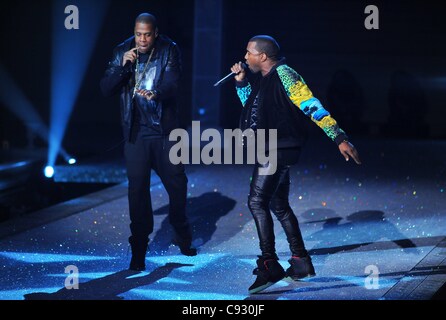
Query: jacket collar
[[281, 61]]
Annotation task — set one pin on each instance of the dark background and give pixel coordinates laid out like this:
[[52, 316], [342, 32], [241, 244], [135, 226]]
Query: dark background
[[387, 83], [94, 125], [382, 84]]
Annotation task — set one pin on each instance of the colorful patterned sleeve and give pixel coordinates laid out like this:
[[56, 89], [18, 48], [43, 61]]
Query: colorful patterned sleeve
[[303, 98], [243, 91]]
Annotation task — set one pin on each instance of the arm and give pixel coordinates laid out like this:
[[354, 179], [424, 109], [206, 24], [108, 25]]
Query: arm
[[168, 85], [243, 90], [116, 75], [242, 85], [302, 97]]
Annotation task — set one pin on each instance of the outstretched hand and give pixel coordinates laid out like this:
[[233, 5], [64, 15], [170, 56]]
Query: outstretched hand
[[348, 150]]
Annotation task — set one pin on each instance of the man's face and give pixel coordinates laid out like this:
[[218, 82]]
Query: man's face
[[253, 57], [145, 36]]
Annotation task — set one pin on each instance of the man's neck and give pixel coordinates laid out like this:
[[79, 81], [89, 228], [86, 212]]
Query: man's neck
[[269, 64]]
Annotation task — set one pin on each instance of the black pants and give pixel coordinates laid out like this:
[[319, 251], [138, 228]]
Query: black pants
[[141, 157], [271, 192]]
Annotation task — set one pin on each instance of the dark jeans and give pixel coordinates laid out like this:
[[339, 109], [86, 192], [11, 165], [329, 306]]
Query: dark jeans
[[141, 157], [271, 192]]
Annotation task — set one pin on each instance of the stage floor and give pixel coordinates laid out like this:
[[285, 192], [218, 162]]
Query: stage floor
[[375, 232]]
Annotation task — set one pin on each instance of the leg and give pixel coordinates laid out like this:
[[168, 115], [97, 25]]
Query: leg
[[301, 265], [138, 173], [140, 207], [261, 192], [174, 180], [282, 210], [262, 189]]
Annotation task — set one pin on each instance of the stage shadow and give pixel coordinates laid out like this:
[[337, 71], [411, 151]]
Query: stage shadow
[[109, 287], [357, 230], [203, 213], [329, 283]]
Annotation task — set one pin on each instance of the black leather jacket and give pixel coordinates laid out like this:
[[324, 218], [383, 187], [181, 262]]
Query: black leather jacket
[[120, 79], [277, 110]]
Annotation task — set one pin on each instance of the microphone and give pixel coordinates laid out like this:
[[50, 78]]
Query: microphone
[[128, 64], [228, 76]]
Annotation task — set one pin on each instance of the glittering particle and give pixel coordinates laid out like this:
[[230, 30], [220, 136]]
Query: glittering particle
[[324, 203], [300, 197], [359, 184], [215, 190], [192, 185], [441, 190], [95, 222], [414, 193]]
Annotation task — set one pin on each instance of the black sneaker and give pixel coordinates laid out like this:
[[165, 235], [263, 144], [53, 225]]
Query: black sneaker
[[268, 272], [300, 268], [137, 264], [139, 248], [188, 251], [185, 249]]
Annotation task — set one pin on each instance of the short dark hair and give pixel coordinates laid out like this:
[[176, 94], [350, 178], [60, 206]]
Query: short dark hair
[[147, 18], [267, 45]]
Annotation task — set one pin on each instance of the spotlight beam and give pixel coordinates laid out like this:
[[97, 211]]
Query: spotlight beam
[[15, 100], [71, 51]]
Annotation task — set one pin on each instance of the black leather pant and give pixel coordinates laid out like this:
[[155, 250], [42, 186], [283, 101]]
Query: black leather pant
[[271, 192], [141, 157]]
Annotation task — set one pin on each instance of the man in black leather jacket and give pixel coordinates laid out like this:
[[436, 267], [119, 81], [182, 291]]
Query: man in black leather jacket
[[277, 98], [145, 70]]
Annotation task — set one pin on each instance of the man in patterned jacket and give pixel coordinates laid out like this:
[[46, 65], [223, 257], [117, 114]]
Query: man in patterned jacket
[[276, 97]]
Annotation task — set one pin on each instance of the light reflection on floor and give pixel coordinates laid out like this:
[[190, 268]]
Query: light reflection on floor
[[351, 218]]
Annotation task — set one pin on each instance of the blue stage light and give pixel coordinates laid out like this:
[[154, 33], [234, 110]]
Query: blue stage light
[[15, 100], [71, 52], [49, 171]]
